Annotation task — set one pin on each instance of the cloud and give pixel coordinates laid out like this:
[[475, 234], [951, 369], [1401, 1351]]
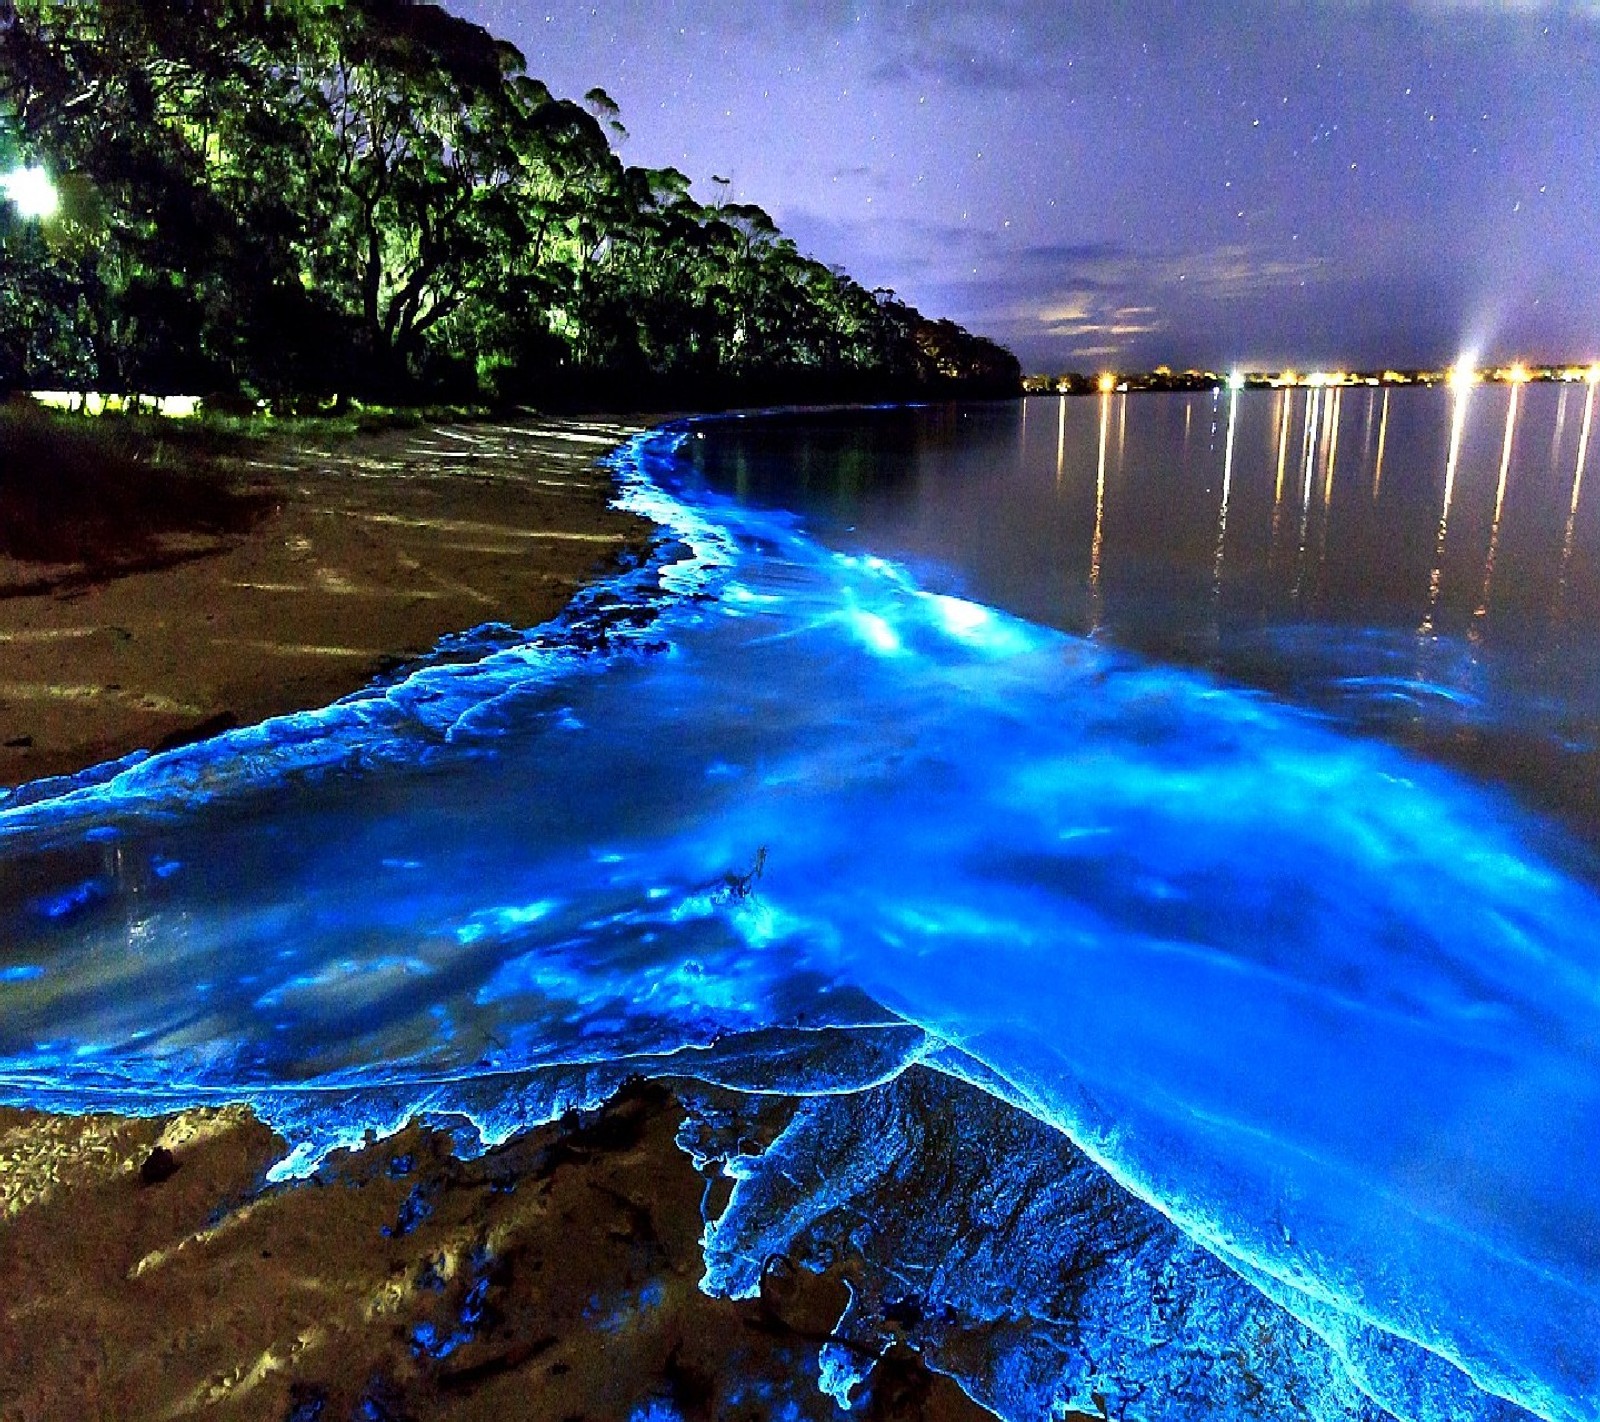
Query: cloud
[[984, 45], [860, 177], [1077, 304], [891, 248], [1092, 303], [1078, 319], [1060, 253], [1221, 272]]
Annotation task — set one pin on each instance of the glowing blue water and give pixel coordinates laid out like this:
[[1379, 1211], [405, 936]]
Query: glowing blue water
[[1332, 1012]]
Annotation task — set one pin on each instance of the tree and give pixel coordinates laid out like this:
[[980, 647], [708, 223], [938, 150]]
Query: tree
[[295, 197]]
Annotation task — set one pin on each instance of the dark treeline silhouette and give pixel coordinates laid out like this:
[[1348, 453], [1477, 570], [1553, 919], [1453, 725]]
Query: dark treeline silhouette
[[293, 199]]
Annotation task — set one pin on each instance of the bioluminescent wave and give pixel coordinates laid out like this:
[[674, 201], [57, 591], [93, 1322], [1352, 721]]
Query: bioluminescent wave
[[1307, 1028]]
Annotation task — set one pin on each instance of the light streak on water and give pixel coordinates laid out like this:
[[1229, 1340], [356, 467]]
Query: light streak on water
[[1505, 452], [1313, 435], [1458, 421], [1284, 413], [1577, 493], [1227, 490], [1333, 449], [1097, 546], [1482, 610], [1307, 1005], [1335, 405], [1383, 432], [1583, 445], [1281, 416], [1061, 442]]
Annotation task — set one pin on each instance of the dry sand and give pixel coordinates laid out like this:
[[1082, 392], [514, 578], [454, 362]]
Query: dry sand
[[148, 1270]]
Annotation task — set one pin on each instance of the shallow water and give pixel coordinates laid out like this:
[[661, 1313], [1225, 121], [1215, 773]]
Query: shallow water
[[1314, 1014], [1419, 566]]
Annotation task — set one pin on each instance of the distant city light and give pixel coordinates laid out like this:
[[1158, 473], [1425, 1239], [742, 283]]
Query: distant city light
[[1461, 376], [31, 192]]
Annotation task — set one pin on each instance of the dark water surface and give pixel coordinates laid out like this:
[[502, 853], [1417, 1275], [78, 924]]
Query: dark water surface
[[1154, 838], [1422, 565]]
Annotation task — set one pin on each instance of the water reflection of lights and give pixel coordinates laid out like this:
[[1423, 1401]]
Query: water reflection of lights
[[1284, 403], [1577, 493], [1332, 446], [1331, 457], [1227, 489], [1583, 445], [1284, 413], [1561, 424], [1461, 381], [1061, 442], [1482, 610], [1505, 454], [1383, 435], [1099, 517], [1308, 474]]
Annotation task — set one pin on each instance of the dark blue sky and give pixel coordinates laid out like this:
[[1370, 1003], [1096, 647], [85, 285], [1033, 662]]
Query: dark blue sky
[[1104, 183]]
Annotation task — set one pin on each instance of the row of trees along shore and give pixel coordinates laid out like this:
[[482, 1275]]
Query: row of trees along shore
[[296, 199]]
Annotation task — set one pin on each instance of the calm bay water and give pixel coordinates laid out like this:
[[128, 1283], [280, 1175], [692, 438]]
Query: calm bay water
[[1176, 914], [1423, 566]]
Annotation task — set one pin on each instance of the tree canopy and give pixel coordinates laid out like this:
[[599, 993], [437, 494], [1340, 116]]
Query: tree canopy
[[286, 199]]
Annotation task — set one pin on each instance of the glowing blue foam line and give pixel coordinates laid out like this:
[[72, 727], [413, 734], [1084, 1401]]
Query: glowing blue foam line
[[802, 824]]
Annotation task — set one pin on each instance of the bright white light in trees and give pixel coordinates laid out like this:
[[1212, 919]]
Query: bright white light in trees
[[31, 192]]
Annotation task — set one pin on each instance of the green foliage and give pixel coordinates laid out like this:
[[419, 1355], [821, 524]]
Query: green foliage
[[296, 198]]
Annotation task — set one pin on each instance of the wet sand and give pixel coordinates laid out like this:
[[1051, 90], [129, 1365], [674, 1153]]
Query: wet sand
[[366, 550], [151, 1274], [150, 1271]]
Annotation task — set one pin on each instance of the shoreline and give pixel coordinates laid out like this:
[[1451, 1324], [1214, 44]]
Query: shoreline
[[155, 1271], [154, 1274], [367, 550]]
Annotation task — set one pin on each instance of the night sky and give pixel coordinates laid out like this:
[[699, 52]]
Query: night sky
[[1099, 185]]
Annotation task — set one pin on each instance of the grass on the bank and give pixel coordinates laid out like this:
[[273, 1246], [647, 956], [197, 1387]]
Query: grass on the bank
[[105, 493], [102, 492], [352, 419]]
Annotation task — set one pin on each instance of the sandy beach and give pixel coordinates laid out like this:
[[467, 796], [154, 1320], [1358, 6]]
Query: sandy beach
[[151, 1274], [363, 552], [151, 1271]]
